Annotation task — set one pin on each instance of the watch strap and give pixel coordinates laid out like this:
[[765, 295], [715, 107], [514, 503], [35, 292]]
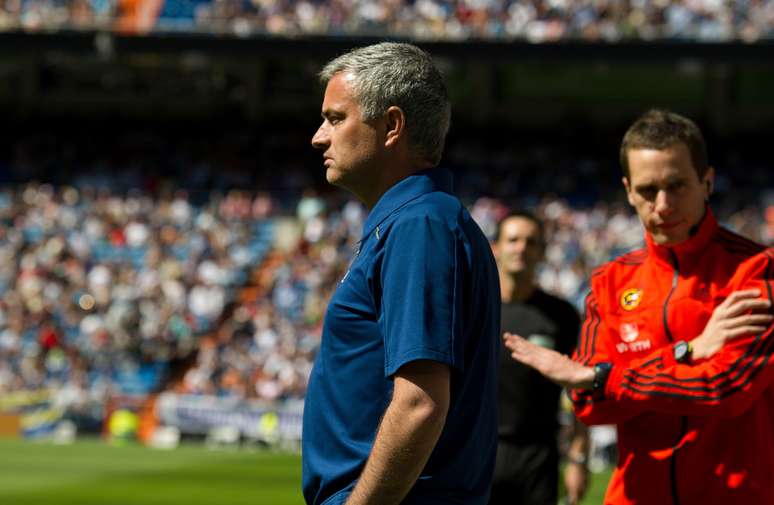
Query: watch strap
[[601, 373]]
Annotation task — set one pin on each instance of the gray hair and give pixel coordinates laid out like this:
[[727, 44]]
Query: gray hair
[[402, 75]]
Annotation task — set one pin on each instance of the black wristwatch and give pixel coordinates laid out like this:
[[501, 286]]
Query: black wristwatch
[[601, 373], [682, 351]]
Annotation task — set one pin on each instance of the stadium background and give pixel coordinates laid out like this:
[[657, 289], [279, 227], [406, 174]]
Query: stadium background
[[168, 242]]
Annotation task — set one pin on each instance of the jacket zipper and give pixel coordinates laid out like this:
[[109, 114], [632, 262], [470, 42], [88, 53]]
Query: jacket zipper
[[669, 296], [683, 419]]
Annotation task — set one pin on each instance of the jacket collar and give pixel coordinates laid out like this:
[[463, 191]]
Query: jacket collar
[[685, 251], [406, 190]]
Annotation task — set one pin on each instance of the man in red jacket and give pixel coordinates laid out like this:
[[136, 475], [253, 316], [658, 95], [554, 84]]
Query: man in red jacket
[[676, 347]]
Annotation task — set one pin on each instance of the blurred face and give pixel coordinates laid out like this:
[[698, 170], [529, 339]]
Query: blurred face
[[665, 190], [350, 145], [519, 247]]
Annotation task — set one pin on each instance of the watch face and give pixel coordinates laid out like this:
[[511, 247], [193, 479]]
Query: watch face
[[681, 351]]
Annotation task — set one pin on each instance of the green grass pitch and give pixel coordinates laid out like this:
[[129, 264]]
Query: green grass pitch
[[91, 472]]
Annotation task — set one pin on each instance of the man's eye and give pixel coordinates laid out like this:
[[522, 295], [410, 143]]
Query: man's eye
[[676, 186]]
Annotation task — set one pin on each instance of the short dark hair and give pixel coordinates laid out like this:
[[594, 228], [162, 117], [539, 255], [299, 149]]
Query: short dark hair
[[660, 129], [524, 214]]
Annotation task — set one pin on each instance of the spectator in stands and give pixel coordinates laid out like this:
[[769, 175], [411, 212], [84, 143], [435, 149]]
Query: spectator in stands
[[532, 20]]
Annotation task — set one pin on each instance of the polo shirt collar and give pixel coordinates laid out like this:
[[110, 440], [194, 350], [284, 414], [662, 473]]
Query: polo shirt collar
[[406, 190], [688, 250]]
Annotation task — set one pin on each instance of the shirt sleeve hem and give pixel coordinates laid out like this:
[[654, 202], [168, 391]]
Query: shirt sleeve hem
[[418, 354]]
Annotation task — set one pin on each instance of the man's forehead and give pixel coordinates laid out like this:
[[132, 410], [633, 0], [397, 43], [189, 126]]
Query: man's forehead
[[340, 82], [651, 165], [338, 92], [659, 175], [519, 226]]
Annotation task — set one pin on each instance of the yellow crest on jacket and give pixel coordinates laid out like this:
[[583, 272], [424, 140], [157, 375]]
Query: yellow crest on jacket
[[631, 298]]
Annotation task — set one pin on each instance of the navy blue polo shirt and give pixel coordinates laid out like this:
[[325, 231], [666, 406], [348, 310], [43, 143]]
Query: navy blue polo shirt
[[423, 286]]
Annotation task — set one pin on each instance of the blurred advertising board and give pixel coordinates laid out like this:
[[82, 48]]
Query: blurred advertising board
[[28, 413], [196, 414]]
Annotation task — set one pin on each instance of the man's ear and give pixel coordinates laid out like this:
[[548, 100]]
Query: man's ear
[[396, 126], [709, 181], [626, 184]]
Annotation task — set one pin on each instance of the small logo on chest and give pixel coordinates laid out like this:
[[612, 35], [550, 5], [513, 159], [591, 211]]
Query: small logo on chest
[[629, 333], [631, 298]]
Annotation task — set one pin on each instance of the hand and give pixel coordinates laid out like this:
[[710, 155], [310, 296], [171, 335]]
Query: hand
[[735, 317], [554, 366], [576, 480]]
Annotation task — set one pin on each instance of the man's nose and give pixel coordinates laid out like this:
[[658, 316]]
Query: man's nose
[[664, 202], [321, 139]]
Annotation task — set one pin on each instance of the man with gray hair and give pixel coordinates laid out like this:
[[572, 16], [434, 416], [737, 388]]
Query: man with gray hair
[[401, 404]]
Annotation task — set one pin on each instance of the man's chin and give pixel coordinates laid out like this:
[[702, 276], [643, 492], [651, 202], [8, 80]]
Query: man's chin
[[332, 176], [668, 239], [336, 178], [517, 269]]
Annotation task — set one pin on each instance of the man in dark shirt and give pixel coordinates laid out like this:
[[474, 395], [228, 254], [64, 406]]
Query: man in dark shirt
[[527, 467], [401, 405]]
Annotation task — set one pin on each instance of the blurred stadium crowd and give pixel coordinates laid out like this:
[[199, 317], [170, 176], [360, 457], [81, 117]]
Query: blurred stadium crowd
[[109, 289], [531, 20]]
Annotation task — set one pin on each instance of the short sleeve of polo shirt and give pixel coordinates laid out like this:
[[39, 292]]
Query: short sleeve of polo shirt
[[421, 277]]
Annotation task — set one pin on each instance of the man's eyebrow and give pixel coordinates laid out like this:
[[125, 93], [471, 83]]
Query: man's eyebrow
[[326, 113], [675, 179]]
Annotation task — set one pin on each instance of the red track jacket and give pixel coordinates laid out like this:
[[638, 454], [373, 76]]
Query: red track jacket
[[700, 433]]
